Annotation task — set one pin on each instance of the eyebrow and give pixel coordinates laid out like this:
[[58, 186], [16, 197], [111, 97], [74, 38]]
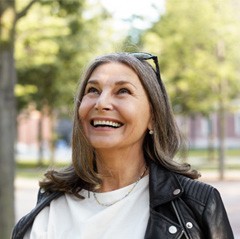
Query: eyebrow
[[121, 82]]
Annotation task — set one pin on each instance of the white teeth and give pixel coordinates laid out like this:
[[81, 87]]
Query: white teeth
[[106, 123]]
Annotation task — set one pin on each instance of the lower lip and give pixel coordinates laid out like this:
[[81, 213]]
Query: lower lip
[[104, 128]]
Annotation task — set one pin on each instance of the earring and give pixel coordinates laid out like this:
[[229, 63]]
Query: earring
[[150, 131]]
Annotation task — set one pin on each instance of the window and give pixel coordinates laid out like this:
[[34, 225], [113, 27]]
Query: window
[[204, 127], [237, 123]]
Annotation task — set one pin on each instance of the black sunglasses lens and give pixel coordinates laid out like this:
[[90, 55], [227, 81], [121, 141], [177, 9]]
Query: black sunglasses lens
[[148, 56], [142, 55]]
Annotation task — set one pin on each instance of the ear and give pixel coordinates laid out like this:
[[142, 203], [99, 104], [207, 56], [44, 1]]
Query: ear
[[150, 123]]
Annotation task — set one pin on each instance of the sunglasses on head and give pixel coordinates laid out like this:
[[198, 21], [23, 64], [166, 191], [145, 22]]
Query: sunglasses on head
[[147, 56]]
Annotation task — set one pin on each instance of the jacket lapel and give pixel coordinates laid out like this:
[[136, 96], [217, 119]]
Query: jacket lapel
[[163, 188]]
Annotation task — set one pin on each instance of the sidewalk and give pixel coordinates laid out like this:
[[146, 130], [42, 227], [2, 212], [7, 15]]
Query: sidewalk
[[209, 176]]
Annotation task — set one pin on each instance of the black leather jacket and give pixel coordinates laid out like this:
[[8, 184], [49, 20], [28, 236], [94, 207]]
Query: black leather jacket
[[179, 208]]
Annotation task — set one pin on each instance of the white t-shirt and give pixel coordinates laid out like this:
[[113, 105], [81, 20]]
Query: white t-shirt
[[71, 218]]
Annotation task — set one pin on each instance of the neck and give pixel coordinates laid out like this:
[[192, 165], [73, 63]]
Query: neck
[[119, 170]]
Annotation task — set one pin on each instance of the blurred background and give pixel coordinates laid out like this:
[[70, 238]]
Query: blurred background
[[45, 46]]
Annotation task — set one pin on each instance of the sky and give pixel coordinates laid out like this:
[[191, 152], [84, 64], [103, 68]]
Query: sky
[[122, 10]]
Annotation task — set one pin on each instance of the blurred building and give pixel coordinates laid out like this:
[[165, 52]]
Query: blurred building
[[30, 124], [203, 132], [36, 130], [199, 131]]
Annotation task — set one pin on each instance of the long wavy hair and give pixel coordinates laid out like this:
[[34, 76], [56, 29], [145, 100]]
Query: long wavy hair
[[161, 147]]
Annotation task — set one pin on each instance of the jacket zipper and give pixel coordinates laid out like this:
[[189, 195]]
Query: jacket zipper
[[181, 234], [179, 220]]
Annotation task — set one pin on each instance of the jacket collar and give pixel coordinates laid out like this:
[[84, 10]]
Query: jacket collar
[[164, 185]]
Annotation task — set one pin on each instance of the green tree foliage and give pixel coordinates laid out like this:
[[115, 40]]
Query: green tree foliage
[[199, 50], [55, 41], [54, 44], [198, 46]]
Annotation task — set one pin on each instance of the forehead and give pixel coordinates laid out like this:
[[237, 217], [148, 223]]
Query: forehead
[[114, 71]]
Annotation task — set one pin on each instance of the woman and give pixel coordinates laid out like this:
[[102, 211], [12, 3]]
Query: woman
[[123, 182]]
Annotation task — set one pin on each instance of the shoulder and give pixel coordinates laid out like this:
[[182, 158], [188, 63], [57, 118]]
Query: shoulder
[[166, 185], [196, 190], [44, 199]]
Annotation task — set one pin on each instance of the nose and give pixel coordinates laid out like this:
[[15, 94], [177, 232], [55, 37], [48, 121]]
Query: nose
[[104, 102]]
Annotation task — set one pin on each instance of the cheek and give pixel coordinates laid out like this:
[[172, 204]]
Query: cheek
[[84, 109], [141, 109], [81, 112], [144, 114]]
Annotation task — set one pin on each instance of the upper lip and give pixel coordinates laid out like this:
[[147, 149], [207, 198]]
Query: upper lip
[[106, 121]]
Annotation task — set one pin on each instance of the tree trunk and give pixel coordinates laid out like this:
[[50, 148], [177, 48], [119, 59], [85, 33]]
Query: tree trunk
[[221, 137], [211, 154], [7, 138], [8, 20], [53, 137], [185, 134], [40, 140], [7, 127], [223, 91]]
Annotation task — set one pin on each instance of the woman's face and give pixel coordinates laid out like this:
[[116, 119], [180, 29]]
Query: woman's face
[[115, 111]]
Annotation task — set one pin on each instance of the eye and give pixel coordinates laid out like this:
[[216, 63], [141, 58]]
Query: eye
[[124, 91], [92, 90]]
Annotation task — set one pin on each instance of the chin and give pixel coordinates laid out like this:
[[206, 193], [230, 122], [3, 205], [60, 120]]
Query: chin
[[103, 145]]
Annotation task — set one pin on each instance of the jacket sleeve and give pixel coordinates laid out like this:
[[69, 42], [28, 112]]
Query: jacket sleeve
[[44, 199], [215, 220]]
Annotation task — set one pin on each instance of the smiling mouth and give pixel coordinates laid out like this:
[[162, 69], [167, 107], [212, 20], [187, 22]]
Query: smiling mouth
[[105, 123]]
